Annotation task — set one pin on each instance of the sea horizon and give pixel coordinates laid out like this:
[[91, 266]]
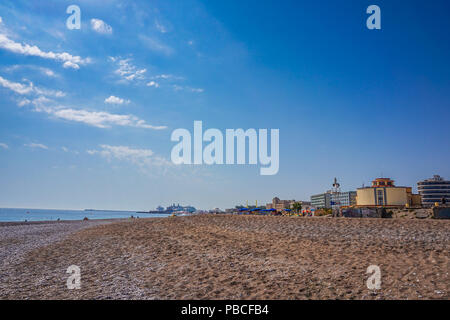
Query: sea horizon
[[33, 214]]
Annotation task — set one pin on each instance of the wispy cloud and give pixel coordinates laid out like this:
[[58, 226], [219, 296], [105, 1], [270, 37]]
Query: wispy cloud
[[4, 145], [166, 77], [48, 72], [24, 89], [199, 90], [161, 28], [67, 150], [99, 119], [126, 70], [116, 100], [15, 86], [45, 71], [36, 146], [48, 92], [23, 102], [141, 157], [156, 46], [69, 61], [153, 84], [190, 89], [101, 26]]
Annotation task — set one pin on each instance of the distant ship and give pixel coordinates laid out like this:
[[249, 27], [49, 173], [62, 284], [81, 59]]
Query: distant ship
[[177, 209]]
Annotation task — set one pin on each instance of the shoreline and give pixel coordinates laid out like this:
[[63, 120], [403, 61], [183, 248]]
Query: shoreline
[[7, 223], [15, 223]]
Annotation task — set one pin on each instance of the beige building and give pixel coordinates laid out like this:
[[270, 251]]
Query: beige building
[[383, 193], [279, 205]]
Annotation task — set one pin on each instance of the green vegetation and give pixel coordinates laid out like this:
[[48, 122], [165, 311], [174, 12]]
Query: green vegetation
[[297, 207]]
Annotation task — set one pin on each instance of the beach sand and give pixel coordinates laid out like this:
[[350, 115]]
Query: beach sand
[[227, 257]]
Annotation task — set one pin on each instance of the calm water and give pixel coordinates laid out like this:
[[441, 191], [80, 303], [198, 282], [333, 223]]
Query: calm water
[[51, 214]]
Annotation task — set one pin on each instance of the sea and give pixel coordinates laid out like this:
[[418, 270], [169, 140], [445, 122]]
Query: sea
[[15, 214]]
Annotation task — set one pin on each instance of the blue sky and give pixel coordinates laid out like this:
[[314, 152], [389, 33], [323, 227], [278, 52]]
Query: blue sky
[[86, 115]]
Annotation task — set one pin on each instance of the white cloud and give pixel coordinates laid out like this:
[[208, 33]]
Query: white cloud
[[36, 146], [144, 158], [45, 71], [99, 119], [127, 70], [23, 102], [116, 100], [3, 145], [167, 77], [24, 89], [163, 76], [69, 60], [1, 20], [48, 72], [123, 152], [179, 88], [40, 100], [153, 84], [65, 149], [101, 26], [70, 64], [16, 87], [48, 92]]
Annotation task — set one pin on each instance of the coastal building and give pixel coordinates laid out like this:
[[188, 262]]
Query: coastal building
[[279, 205], [322, 200], [333, 200], [433, 190], [383, 193], [343, 199]]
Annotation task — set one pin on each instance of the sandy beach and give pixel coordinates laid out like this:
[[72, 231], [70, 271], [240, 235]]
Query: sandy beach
[[226, 257]]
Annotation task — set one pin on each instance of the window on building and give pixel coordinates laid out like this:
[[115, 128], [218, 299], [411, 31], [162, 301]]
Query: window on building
[[380, 197]]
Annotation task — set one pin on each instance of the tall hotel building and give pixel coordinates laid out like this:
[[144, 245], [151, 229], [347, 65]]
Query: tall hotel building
[[433, 190], [343, 199], [321, 201], [333, 200]]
